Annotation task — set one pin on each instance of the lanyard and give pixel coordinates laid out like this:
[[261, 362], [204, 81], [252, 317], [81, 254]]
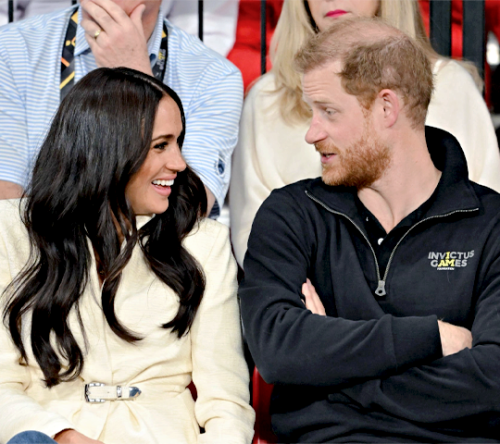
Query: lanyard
[[68, 56]]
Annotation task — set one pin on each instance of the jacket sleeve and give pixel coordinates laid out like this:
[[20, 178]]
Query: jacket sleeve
[[290, 344], [220, 373], [18, 411], [456, 386]]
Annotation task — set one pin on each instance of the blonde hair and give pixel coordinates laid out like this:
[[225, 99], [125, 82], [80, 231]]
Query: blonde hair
[[294, 28]]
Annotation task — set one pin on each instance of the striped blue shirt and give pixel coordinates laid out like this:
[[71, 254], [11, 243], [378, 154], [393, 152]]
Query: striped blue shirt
[[209, 86]]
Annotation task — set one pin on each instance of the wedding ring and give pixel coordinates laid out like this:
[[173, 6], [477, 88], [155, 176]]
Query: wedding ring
[[96, 34]]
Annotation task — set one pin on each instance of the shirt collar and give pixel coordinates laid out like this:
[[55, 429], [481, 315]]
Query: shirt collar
[[154, 42]]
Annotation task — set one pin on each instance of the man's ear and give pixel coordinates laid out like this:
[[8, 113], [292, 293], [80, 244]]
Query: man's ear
[[389, 106]]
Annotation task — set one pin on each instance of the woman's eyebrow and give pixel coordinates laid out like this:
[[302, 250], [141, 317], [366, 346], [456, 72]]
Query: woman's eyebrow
[[164, 136]]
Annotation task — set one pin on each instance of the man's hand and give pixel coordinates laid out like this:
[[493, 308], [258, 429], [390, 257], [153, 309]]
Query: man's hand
[[10, 190], [313, 302], [70, 436], [120, 39], [454, 338]]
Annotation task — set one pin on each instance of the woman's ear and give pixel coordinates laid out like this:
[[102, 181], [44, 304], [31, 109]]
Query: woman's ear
[[389, 107]]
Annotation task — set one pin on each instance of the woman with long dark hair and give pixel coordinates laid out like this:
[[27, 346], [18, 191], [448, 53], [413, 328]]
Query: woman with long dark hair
[[116, 293]]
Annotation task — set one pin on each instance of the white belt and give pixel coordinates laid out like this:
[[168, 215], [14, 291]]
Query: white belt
[[99, 392]]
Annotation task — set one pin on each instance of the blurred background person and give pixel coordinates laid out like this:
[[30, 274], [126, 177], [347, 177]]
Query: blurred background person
[[219, 18], [246, 53]]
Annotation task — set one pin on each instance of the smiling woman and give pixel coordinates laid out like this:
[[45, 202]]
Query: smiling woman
[[148, 189], [114, 287]]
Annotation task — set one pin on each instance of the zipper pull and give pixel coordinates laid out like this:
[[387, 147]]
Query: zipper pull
[[380, 291]]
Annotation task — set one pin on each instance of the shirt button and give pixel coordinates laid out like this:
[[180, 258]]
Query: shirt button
[[380, 241], [367, 219]]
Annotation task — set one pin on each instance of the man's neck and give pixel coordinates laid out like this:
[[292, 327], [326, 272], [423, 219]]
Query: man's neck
[[408, 182]]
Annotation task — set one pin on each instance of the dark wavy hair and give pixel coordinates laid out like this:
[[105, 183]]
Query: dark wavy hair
[[98, 140]]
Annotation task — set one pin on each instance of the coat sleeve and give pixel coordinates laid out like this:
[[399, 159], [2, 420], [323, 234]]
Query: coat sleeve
[[290, 344], [220, 373], [458, 108], [461, 385], [18, 411], [248, 187]]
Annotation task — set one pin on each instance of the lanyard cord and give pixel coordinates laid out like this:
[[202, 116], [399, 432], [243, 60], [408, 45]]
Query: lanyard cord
[[68, 56]]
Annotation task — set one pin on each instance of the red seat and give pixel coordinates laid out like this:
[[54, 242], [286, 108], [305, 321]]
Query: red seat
[[261, 397]]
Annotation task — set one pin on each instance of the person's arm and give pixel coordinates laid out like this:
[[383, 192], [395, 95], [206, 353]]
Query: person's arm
[[290, 344], [457, 386], [14, 134], [248, 187], [453, 337], [457, 107], [220, 373], [212, 119], [219, 21]]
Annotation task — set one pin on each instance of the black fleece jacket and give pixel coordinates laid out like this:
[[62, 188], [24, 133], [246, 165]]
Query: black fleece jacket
[[372, 370]]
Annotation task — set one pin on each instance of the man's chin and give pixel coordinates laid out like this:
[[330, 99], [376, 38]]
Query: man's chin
[[332, 180], [359, 181]]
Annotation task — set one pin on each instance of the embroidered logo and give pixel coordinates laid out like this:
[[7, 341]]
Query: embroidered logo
[[449, 260]]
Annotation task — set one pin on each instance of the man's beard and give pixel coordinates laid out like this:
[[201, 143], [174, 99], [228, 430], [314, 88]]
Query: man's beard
[[359, 165]]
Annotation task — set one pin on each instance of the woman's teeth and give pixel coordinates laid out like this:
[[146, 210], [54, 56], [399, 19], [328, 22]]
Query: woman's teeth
[[163, 183]]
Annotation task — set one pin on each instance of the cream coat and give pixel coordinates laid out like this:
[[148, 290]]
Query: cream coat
[[271, 154], [161, 365]]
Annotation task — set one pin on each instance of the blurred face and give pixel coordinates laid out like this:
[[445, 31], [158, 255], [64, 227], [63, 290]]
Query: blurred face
[[324, 12], [148, 189], [342, 131]]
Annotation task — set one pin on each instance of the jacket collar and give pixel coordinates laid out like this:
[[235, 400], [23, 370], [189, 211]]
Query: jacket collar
[[454, 191]]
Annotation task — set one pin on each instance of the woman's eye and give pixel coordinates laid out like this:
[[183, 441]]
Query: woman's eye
[[161, 146]]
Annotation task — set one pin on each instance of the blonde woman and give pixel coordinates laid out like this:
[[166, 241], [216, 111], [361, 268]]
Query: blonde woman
[[272, 151]]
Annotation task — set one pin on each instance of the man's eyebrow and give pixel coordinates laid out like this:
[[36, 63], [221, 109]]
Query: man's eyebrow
[[317, 102]]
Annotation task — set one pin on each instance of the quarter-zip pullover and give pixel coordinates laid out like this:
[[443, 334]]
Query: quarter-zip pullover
[[372, 370]]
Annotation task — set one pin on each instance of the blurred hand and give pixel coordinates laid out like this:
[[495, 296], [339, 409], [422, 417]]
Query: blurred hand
[[454, 338], [121, 40], [313, 302], [70, 436]]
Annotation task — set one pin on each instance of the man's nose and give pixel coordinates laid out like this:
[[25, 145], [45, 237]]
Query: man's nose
[[315, 133]]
